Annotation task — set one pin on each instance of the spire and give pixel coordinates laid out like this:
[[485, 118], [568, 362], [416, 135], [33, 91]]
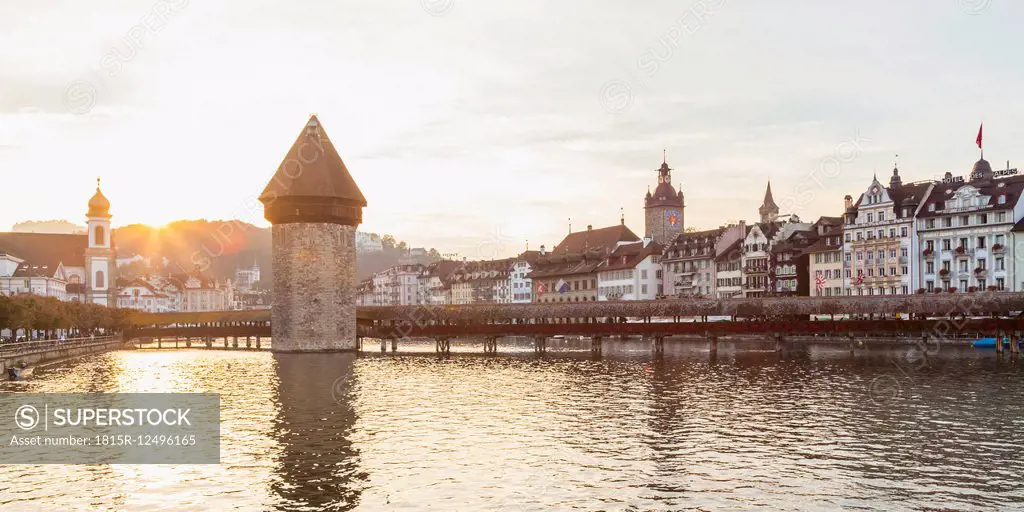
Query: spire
[[769, 210], [664, 155], [895, 181], [622, 212]]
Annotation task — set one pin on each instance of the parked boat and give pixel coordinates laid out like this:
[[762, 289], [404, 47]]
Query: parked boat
[[990, 342], [21, 372]]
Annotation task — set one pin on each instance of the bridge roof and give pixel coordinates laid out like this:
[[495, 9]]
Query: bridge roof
[[932, 304]]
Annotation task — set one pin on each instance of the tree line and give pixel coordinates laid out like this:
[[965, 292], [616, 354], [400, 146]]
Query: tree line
[[48, 318]]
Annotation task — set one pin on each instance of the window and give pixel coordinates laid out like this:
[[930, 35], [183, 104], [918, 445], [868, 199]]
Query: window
[[100, 283], [963, 265], [929, 267], [881, 233], [963, 285], [1000, 284], [643, 289], [892, 254], [929, 223], [1002, 199], [947, 222], [643, 274], [904, 289], [881, 272], [963, 243], [860, 256], [871, 217], [98, 236], [965, 220], [931, 207], [1000, 264], [847, 257], [892, 232], [881, 255], [981, 242], [983, 218], [848, 237], [999, 239], [930, 245], [657, 274], [929, 285], [860, 236], [981, 264], [1001, 217], [904, 270], [881, 216], [903, 252], [945, 265], [946, 244]]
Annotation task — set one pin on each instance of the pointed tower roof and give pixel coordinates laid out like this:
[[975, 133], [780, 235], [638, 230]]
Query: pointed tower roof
[[768, 201], [312, 183]]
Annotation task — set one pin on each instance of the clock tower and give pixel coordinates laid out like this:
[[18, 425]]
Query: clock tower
[[663, 210]]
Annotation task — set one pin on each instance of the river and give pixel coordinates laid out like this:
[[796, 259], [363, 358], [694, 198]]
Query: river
[[813, 428]]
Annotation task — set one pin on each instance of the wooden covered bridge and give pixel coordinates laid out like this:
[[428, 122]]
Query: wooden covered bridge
[[928, 315]]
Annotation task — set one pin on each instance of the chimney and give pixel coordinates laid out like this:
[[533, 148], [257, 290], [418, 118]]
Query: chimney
[[590, 227], [647, 241], [542, 250], [848, 202]]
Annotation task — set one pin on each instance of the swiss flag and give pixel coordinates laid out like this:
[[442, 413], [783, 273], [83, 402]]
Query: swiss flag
[[979, 135]]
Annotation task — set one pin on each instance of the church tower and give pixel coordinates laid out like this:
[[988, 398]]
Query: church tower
[[100, 264], [663, 210], [769, 210], [314, 206]]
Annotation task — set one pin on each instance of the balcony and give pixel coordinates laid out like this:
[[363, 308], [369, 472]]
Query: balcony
[[998, 249], [928, 253]]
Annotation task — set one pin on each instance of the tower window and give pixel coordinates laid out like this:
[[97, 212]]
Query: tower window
[[98, 237], [99, 280]]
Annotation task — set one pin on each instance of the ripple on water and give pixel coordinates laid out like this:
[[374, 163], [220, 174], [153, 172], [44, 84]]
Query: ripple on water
[[412, 431]]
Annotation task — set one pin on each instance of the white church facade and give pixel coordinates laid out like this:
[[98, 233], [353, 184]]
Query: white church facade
[[69, 267]]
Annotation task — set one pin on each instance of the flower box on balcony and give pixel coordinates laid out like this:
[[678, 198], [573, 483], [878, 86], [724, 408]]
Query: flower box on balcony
[[928, 252], [937, 290], [997, 247], [960, 250], [943, 272], [920, 290], [979, 270], [951, 289], [972, 289], [993, 288]]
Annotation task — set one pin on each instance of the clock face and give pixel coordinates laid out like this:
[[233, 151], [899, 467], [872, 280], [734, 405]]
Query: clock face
[[874, 190], [673, 217]]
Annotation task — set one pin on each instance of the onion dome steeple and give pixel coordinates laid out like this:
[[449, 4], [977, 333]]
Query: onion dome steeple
[[312, 184], [99, 205]]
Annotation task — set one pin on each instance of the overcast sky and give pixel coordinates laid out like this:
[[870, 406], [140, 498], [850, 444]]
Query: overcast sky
[[473, 126]]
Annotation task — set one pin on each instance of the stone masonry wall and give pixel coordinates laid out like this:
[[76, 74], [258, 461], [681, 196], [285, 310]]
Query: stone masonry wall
[[314, 288]]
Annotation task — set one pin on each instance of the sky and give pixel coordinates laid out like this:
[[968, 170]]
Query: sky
[[480, 127]]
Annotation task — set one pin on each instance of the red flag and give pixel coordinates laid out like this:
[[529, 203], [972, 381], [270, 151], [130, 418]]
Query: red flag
[[979, 135]]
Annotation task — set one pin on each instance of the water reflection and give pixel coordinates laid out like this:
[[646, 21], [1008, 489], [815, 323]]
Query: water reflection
[[745, 428], [317, 465]]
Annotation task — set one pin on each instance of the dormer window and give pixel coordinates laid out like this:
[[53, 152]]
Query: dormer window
[[1002, 199], [931, 207]]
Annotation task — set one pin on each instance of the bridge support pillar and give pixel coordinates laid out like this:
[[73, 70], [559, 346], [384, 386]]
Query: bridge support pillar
[[712, 342], [1014, 348], [159, 342], [491, 345], [188, 342], [383, 345], [234, 341], [257, 342], [595, 345], [394, 345], [248, 342], [443, 346], [540, 344], [779, 340], [208, 341], [999, 343], [659, 345], [226, 342]]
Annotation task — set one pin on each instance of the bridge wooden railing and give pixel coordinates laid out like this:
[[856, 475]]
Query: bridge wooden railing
[[28, 347]]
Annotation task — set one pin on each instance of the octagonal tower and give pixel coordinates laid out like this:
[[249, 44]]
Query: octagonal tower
[[314, 206]]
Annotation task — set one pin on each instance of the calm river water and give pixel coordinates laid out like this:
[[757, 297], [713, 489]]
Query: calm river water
[[746, 430]]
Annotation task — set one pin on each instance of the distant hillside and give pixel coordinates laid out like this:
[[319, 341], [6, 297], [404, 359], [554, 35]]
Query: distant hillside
[[48, 226], [218, 247]]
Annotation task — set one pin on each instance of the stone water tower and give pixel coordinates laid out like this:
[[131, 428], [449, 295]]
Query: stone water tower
[[314, 206]]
